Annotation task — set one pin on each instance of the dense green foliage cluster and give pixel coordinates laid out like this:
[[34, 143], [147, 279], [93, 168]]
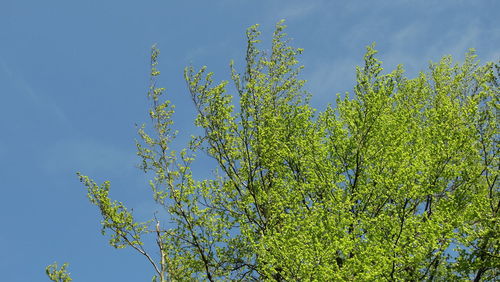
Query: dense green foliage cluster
[[397, 182]]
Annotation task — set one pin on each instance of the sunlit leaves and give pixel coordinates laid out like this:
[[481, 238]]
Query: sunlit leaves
[[58, 274], [398, 182]]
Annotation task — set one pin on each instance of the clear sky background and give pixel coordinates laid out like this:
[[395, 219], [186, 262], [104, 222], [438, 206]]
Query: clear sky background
[[73, 82]]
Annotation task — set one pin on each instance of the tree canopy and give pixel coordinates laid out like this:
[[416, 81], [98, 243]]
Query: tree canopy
[[398, 181]]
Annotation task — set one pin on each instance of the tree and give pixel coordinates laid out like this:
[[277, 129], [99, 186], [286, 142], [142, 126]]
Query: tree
[[398, 182]]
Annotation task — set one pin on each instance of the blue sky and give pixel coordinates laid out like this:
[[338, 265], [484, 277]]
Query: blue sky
[[73, 79]]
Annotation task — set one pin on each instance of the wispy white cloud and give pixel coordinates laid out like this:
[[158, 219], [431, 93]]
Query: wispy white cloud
[[40, 101], [413, 42], [88, 156], [297, 10], [329, 78], [413, 47]]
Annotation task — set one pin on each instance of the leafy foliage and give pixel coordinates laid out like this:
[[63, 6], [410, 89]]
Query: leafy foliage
[[398, 182], [57, 274]]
